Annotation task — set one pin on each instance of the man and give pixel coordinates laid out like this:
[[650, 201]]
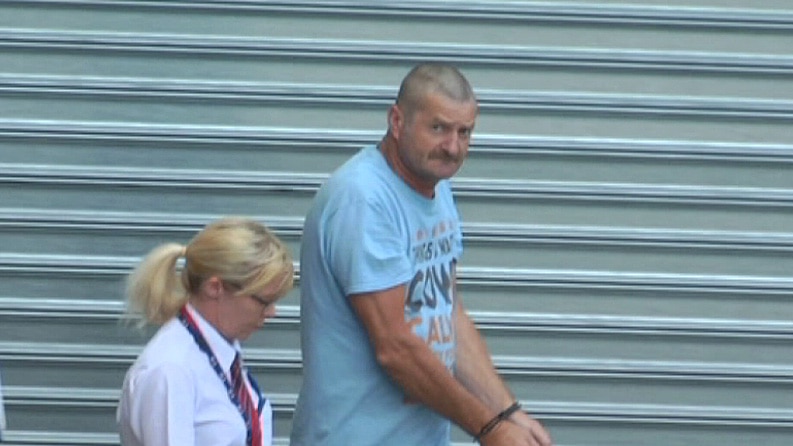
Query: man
[[389, 354]]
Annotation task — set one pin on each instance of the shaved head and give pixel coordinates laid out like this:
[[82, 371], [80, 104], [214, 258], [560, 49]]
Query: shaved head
[[427, 79]]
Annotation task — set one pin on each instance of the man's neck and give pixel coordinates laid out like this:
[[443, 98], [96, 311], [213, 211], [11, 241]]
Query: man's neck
[[388, 147]]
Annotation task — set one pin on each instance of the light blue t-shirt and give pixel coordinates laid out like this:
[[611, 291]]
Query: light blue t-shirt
[[366, 231]]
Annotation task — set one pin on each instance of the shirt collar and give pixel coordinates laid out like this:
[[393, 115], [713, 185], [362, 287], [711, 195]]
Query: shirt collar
[[223, 350]]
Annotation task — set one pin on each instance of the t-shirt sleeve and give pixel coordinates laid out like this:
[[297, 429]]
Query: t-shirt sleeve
[[366, 246]]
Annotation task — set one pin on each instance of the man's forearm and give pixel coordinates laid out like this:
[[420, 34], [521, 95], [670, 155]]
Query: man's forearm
[[475, 369], [424, 378]]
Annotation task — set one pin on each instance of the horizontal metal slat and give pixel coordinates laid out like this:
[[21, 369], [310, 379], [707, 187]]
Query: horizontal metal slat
[[71, 232], [99, 353], [193, 178], [562, 279], [532, 11], [665, 193], [94, 265], [153, 133], [664, 415], [41, 395], [658, 369], [582, 280], [591, 323], [124, 221], [327, 95], [580, 412], [58, 438], [626, 236], [526, 322], [396, 51], [100, 310], [490, 144], [57, 307], [634, 148], [508, 366], [582, 235], [193, 89], [464, 187], [46, 438]]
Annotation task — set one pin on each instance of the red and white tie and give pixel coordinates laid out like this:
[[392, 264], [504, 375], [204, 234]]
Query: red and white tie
[[244, 397]]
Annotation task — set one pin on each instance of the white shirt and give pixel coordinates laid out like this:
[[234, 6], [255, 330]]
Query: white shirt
[[173, 397]]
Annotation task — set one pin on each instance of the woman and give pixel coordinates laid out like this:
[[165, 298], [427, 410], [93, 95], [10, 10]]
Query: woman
[[188, 387]]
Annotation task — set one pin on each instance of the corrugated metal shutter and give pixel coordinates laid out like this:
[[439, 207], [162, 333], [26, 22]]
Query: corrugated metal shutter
[[628, 201]]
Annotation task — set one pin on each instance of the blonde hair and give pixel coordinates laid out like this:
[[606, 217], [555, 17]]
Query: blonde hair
[[241, 252]]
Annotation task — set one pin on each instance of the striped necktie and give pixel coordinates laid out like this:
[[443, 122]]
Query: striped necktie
[[244, 397]]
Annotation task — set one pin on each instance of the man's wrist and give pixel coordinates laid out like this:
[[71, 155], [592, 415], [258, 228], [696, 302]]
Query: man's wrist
[[495, 421]]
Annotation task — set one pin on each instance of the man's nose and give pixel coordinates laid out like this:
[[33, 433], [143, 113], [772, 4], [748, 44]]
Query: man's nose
[[452, 145]]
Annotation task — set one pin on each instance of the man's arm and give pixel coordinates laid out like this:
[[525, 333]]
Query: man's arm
[[474, 367], [423, 377], [475, 370], [412, 364]]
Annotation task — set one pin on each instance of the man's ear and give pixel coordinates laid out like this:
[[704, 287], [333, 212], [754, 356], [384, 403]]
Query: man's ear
[[396, 120]]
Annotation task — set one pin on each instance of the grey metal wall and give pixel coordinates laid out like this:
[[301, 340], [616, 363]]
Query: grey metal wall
[[628, 200]]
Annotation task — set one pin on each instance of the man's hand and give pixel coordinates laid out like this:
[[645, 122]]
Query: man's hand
[[510, 433], [538, 433]]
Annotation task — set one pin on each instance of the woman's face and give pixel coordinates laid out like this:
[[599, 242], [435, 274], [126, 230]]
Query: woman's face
[[242, 314]]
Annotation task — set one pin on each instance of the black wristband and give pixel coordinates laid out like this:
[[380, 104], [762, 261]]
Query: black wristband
[[495, 421]]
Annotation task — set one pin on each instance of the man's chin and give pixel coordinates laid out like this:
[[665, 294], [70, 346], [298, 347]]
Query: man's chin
[[447, 172]]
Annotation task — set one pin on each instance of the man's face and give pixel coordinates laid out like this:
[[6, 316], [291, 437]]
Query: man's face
[[433, 139]]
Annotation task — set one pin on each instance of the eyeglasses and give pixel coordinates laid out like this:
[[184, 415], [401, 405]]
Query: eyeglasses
[[262, 301]]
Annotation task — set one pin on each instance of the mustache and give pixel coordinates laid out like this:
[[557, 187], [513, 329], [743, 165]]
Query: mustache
[[443, 155]]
